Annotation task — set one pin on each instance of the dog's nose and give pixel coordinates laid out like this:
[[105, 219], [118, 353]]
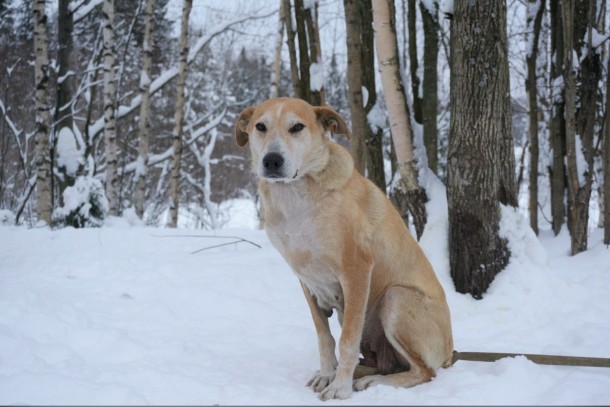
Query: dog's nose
[[273, 163]]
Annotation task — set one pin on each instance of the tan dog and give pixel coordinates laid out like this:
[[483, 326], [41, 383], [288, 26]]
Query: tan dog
[[350, 249]]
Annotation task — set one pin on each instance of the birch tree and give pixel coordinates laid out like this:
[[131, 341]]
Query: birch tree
[[109, 91], [480, 102], [179, 115], [276, 72], [386, 44], [144, 123], [43, 121], [534, 23]]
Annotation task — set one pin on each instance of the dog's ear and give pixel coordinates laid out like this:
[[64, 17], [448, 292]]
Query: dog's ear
[[332, 121], [241, 135]]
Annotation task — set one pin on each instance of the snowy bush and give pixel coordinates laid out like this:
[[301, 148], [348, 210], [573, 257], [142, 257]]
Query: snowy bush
[[7, 217], [85, 205]]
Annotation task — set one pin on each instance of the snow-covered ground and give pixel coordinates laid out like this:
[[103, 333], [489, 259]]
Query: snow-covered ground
[[126, 314]]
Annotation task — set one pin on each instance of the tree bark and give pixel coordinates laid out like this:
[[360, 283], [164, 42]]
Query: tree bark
[[375, 169], [557, 127], [534, 23], [179, 115], [430, 84], [384, 26], [292, 53], [144, 123], [354, 83], [479, 102], [304, 61], [112, 179], [316, 89], [43, 160], [579, 123], [65, 92], [413, 61], [607, 164]]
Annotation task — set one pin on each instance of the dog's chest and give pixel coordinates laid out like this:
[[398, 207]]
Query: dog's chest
[[296, 232]]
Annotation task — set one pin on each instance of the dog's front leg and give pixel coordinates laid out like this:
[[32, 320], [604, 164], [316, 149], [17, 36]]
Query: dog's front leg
[[355, 287], [326, 345]]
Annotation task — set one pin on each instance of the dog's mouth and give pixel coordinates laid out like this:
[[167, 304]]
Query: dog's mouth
[[280, 178]]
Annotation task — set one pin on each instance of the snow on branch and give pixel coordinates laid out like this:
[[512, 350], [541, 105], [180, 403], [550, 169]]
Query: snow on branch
[[172, 72], [81, 10], [167, 154]]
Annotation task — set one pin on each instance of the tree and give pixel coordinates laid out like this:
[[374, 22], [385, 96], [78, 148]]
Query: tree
[[580, 104], [429, 107], [373, 137], [479, 104], [534, 13], [144, 123], [386, 43], [69, 162], [276, 72], [353, 41], [307, 37], [110, 108], [607, 164], [179, 115], [557, 126], [413, 60], [43, 160]]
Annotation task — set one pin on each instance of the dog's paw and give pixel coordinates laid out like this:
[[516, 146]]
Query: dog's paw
[[336, 391], [320, 381], [365, 382]]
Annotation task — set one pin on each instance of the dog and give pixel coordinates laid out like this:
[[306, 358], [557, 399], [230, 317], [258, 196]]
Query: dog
[[349, 248]]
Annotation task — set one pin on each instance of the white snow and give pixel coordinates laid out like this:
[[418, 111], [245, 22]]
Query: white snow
[[128, 315], [447, 6], [316, 74], [68, 154]]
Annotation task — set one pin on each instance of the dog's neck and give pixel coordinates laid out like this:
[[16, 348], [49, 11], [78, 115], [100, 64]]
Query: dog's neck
[[338, 169]]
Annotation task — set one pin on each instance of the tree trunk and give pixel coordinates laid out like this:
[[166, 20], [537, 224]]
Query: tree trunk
[[304, 61], [144, 123], [534, 23], [606, 164], [354, 83], [579, 124], [478, 97], [413, 61], [112, 179], [375, 169], [179, 115], [71, 166], [316, 67], [557, 127], [398, 111], [430, 84], [290, 38], [43, 160], [276, 72]]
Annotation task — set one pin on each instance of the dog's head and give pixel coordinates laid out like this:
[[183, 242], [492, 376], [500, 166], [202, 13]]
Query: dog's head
[[287, 137]]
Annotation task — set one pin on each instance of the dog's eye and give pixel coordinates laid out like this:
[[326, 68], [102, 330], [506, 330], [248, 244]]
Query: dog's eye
[[296, 128], [261, 127]]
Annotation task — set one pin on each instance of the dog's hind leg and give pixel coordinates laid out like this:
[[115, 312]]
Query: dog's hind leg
[[419, 333]]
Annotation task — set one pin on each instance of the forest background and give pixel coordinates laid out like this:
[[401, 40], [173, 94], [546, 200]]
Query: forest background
[[120, 107]]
